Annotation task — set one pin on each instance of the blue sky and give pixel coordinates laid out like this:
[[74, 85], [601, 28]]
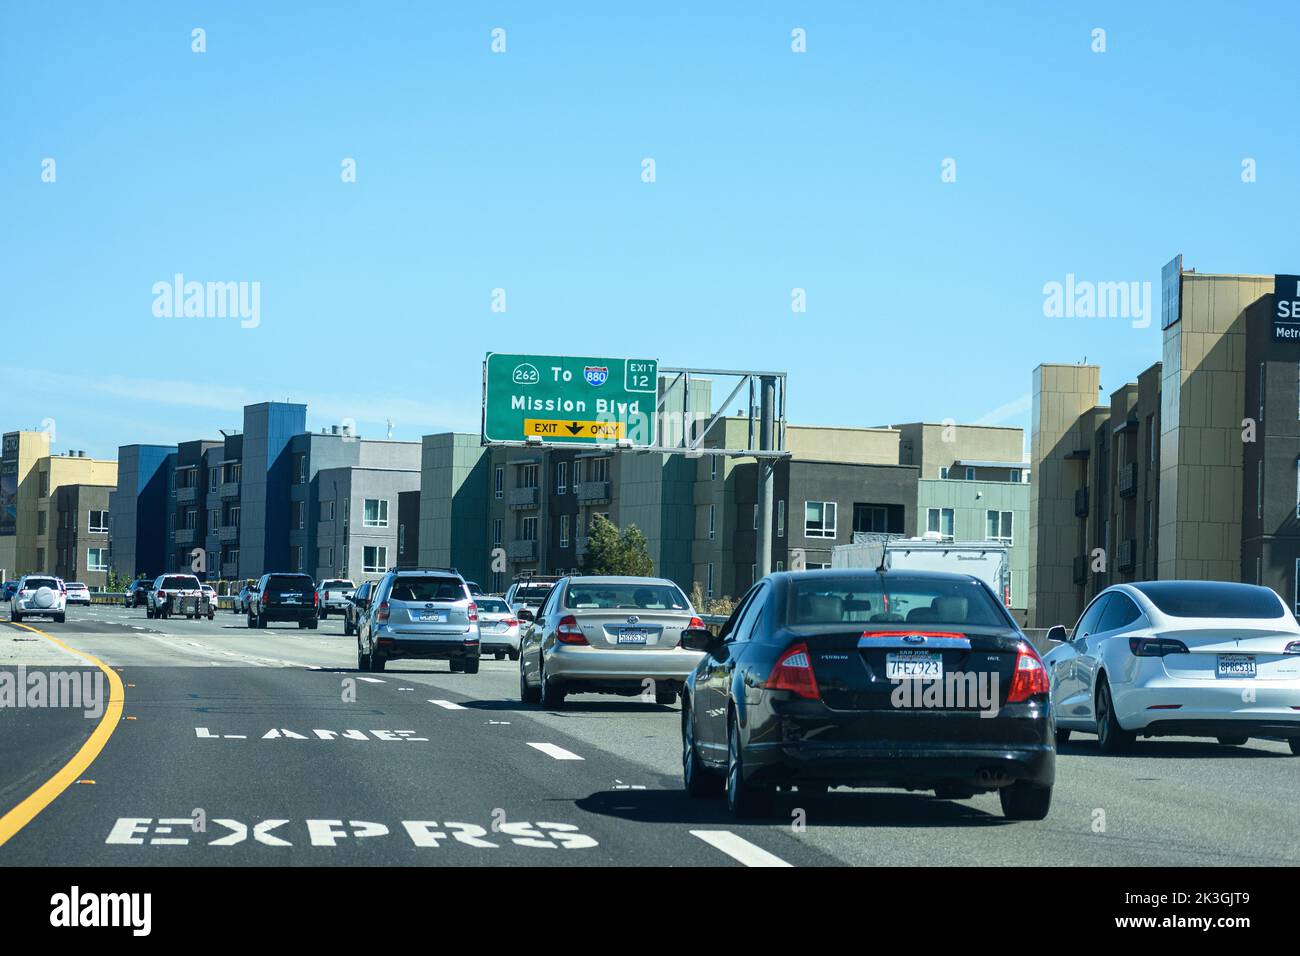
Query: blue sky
[[522, 171]]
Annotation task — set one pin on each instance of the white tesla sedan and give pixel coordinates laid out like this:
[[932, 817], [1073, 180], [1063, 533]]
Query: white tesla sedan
[[1178, 658]]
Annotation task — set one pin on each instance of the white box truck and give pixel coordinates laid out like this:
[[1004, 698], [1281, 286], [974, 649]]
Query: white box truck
[[987, 560]]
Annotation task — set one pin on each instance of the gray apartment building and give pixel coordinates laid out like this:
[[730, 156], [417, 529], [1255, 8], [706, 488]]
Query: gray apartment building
[[1190, 472], [80, 515], [138, 507]]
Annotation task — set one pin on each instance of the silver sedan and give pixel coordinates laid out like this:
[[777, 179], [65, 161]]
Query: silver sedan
[[607, 635]]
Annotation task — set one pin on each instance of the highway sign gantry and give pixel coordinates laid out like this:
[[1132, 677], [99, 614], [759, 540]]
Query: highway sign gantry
[[569, 400]]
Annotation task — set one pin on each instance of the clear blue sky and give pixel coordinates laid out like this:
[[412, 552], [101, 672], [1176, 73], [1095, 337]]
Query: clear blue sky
[[522, 171]]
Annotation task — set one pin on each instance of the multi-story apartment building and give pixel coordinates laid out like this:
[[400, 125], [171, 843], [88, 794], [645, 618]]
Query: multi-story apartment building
[[1189, 472], [138, 543], [81, 518]]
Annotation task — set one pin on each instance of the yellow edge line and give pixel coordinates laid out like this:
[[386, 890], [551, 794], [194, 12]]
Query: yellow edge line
[[44, 795]]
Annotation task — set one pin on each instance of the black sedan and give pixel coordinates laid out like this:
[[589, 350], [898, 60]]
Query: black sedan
[[137, 593], [861, 678]]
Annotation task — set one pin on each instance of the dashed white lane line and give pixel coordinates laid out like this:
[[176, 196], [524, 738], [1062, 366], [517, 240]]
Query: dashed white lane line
[[371, 680], [447, 704], [559, 753], [738, 848]]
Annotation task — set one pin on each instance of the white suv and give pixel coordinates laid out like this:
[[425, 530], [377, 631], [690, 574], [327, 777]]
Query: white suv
[[39, 595]]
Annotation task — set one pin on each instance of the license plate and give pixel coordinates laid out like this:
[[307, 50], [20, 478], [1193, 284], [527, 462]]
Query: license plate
[[290, 599], [434, 617], [633, 635], [1236, 665], [913, 665]]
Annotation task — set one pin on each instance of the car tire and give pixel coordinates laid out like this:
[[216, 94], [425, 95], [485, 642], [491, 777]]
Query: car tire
[[251, 622], [499, 655], [456, 665], [514, 654], [324, 614], [471, 665], [312, 625], [1111, 737], [697, 780], [1024, 800], [1233, 741], [148, 612], [16, 617], [377, 662], [363, 659], [261, 621], [348, 629], [1062, 737], [665, 697], [302, 625], [60, 618], [1295, 746], [528, 695], [744, 799], [552, 695]]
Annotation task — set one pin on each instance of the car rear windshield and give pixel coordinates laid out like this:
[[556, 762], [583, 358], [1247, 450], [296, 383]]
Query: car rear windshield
[[328, 585], [492, 606], [427, 589], [289, 584], [645, 597], [178, 582], [78, 586], [1212, 599], [872, 598], [33, 583], [535, 594]]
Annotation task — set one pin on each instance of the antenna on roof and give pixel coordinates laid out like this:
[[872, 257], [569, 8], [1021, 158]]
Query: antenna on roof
[[881, 568]]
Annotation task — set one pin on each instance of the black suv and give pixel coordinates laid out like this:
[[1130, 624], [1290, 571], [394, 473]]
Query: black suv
[[137, 593], [284, 597]]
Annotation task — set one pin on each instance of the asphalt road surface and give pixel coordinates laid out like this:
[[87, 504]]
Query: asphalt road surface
[[268, 748]]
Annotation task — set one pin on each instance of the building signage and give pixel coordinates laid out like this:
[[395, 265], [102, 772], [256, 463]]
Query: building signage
[[9, 485], [570, 400], [1286, 308]]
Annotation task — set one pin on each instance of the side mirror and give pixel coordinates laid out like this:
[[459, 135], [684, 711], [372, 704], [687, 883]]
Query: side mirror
[[698, 639], [526, 615], [1057, 632]]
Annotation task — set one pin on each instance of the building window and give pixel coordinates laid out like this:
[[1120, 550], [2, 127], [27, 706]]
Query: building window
[[755, 516], [870, 518], [564, 531], [943, 472], [376, 513], [1261, 392], [214, 520], [753, 573], [577, 472], [819, 519], [713, 468], [302, 469], [40, 557], [327, 510], [780, 566], [326, 557], [970, 473], [708, 585], [499, 482], [374, 559], [40, 522], [780, 519], [561, 477], [528, 528], [171, 483], [171, 525], [296, 511], [599, 469], [998, 526], [713, 527], [232, 517], [401, 539], [97, 559], [295, 557], [528, 476], [940, 520], [1015, 475], [496, 532], [214, 477]]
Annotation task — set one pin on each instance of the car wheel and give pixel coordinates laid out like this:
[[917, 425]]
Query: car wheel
[[311, 625], [261, 621], [1295, 746], [302, 625], [528, 695], [456, 665], [363, 659], [348, 629], [471, 665], [1025, 801], [665, 696], [377, 662], [148, 612], [324, 614], [552, 694], [1062, 737], [16, 616], [744, 799], [1233, 741], [697, 779], [1111, 737], [60, 618], [514, 654], [499, 655], [251, 622]]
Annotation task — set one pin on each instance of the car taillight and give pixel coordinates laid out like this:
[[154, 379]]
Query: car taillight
[[1292, 648], [162, 595], [696, 624], [512, 622], [1030, 677], [793, 672], [568, 631], [316, 598], [382, 613], [1155, 646], [473, 611]]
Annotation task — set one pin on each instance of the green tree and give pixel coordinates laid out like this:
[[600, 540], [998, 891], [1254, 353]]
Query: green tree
[[609, 552]]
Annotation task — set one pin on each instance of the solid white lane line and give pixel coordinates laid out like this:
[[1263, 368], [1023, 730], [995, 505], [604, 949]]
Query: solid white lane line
[[447, 704], [559, 753], [738, 848], [369, 680]]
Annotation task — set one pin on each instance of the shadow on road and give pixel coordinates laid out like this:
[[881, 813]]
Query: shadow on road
[[838, 808], [1168, 750]]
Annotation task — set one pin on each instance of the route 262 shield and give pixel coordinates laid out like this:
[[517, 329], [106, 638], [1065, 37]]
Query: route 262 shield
[[596, 375]]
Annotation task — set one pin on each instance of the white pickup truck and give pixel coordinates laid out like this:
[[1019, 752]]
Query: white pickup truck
[[334, 596]]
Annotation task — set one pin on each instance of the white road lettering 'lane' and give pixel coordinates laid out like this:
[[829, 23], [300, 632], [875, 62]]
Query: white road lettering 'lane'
[[559, 753], [198, 831], [283, 733], [447, 704], [738, 848]]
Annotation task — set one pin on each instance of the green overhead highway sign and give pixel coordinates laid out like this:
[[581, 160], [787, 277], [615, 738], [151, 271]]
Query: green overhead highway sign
[[569, 400]]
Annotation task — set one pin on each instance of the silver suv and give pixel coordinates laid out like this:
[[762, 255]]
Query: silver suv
[[39, 594], [420, 613]]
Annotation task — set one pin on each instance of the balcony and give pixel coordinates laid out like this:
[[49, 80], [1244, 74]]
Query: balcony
[[228, 532], [1128, 480], [1081, 569], [186, 535], [1081, 502], [230, 569], [522, 550], [1127, 554], [523, 498], [592, 492], [230, 489], [187, 496]]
